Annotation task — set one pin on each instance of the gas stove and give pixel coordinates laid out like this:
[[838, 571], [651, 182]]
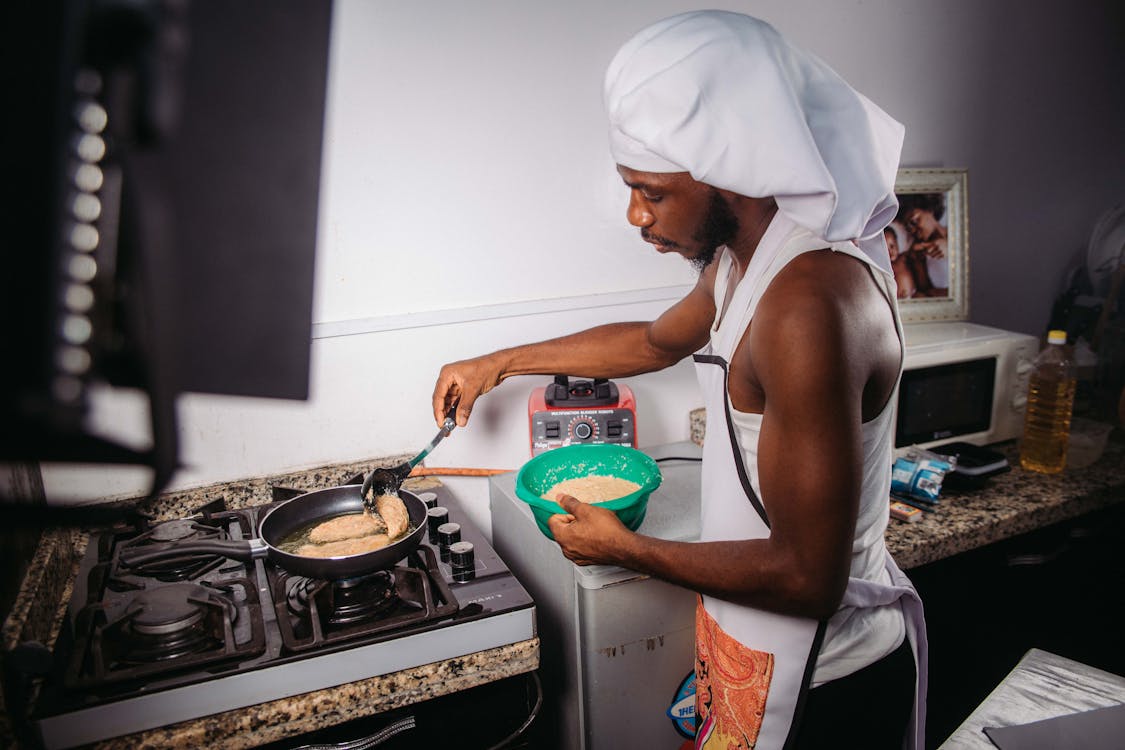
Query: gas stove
[[186, 637]]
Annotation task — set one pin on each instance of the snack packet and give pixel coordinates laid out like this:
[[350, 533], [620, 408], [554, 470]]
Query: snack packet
[[919, 473]]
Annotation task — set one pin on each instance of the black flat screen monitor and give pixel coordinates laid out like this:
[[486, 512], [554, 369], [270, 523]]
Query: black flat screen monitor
[[209, 193]]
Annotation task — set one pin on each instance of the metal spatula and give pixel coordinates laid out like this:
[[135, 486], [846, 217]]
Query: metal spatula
[[386, 481]]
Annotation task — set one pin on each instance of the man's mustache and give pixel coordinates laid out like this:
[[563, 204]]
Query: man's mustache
[[650, 237]]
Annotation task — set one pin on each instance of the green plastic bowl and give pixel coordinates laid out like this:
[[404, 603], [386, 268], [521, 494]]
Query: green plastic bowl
[[571, 461]]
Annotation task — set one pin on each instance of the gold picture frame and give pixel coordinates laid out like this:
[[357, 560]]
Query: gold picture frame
[[929, 244]]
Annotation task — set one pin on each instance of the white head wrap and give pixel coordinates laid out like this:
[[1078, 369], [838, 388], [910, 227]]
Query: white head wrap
[[726, 98]]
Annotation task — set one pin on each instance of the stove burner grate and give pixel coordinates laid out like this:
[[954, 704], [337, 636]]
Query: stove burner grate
[[184, 568], [169, 622], [343, 602], [155, 631], [312, 613]]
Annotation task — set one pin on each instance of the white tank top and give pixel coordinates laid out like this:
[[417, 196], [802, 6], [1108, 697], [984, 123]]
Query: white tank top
[[854, 638]]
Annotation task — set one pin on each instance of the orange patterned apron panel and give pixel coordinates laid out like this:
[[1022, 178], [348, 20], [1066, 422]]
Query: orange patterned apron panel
[[732, 683]]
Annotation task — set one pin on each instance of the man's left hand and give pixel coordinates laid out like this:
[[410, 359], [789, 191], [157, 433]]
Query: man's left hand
[[587, 534]]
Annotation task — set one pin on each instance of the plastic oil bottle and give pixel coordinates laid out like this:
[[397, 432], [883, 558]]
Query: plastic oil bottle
[[1050, 402]]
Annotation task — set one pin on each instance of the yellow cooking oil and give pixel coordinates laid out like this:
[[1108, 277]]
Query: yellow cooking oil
[[1050, 403]]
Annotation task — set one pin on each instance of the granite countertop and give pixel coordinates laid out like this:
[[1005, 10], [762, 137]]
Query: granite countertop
[[321, 709], [39, 609], [1008, 505], [1005, 506]]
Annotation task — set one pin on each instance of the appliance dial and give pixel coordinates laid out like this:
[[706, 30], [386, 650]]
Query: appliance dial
[[448, 535], [435, 517], [462, 560], [584, 428]]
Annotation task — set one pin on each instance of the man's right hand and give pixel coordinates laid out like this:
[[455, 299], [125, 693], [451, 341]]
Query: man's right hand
[[462, 382]]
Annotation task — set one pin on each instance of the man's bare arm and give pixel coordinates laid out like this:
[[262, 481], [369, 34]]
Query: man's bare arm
[[610, 351], [809, 460]]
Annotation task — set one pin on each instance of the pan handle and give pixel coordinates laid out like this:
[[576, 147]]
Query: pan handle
[[250, 549]]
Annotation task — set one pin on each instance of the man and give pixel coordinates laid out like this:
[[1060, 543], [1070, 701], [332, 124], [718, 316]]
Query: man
[[758, 164]]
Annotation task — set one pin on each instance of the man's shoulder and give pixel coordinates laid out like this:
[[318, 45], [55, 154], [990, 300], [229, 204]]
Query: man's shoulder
[[818, 275], [821, 292]]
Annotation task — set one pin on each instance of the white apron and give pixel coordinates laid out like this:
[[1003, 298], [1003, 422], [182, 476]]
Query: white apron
[[748, 695]]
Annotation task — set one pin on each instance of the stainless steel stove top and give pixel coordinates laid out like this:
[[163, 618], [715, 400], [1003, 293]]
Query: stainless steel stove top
[[200, 635]]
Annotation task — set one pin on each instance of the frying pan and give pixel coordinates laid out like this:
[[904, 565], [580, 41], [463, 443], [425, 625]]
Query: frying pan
[[286, 519]]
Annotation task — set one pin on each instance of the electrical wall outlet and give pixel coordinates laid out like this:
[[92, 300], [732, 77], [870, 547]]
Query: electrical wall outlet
[[698, 422]]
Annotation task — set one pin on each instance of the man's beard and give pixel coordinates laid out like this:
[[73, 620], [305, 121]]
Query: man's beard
[[718, 227]]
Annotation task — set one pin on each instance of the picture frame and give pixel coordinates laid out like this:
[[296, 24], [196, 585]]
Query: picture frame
[[930, 244]]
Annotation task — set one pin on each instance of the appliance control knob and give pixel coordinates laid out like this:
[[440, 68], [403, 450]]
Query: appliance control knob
[[435, 517], [462, 560], [583, 430], [429, 498], [448, 534]]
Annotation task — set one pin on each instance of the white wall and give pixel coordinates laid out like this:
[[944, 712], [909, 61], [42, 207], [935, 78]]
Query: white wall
[[466, 161], [466, 176]]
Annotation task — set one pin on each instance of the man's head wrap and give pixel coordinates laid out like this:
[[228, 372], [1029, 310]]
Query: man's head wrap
[[726, 98]]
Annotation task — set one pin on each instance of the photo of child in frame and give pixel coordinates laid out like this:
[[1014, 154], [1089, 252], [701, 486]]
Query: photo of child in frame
[[917, 240]]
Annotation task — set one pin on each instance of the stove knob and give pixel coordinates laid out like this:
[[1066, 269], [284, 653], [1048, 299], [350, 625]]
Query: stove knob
[[436, 517], [448, 534], [429, 498], [462, 561]]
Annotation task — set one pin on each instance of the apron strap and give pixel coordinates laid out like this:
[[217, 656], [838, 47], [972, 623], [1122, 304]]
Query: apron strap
[[806, 681], [863, 593], [740, 467]]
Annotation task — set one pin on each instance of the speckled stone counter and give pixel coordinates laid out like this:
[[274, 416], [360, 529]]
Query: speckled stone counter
[[1005, 506], [276, 720], [1008, 505], [41, 604], [250, 492]]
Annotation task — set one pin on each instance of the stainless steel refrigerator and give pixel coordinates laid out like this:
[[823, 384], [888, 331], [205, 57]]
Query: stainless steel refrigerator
[[615, 646]]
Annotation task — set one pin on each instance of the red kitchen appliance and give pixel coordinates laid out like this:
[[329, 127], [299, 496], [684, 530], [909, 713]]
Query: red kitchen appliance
[[582, 411]]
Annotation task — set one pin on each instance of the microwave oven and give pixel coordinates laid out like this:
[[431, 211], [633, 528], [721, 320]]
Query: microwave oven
[[962, 381]]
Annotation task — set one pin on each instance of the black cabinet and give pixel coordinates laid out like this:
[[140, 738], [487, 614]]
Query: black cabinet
[[1060, 589], [503, 713]]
